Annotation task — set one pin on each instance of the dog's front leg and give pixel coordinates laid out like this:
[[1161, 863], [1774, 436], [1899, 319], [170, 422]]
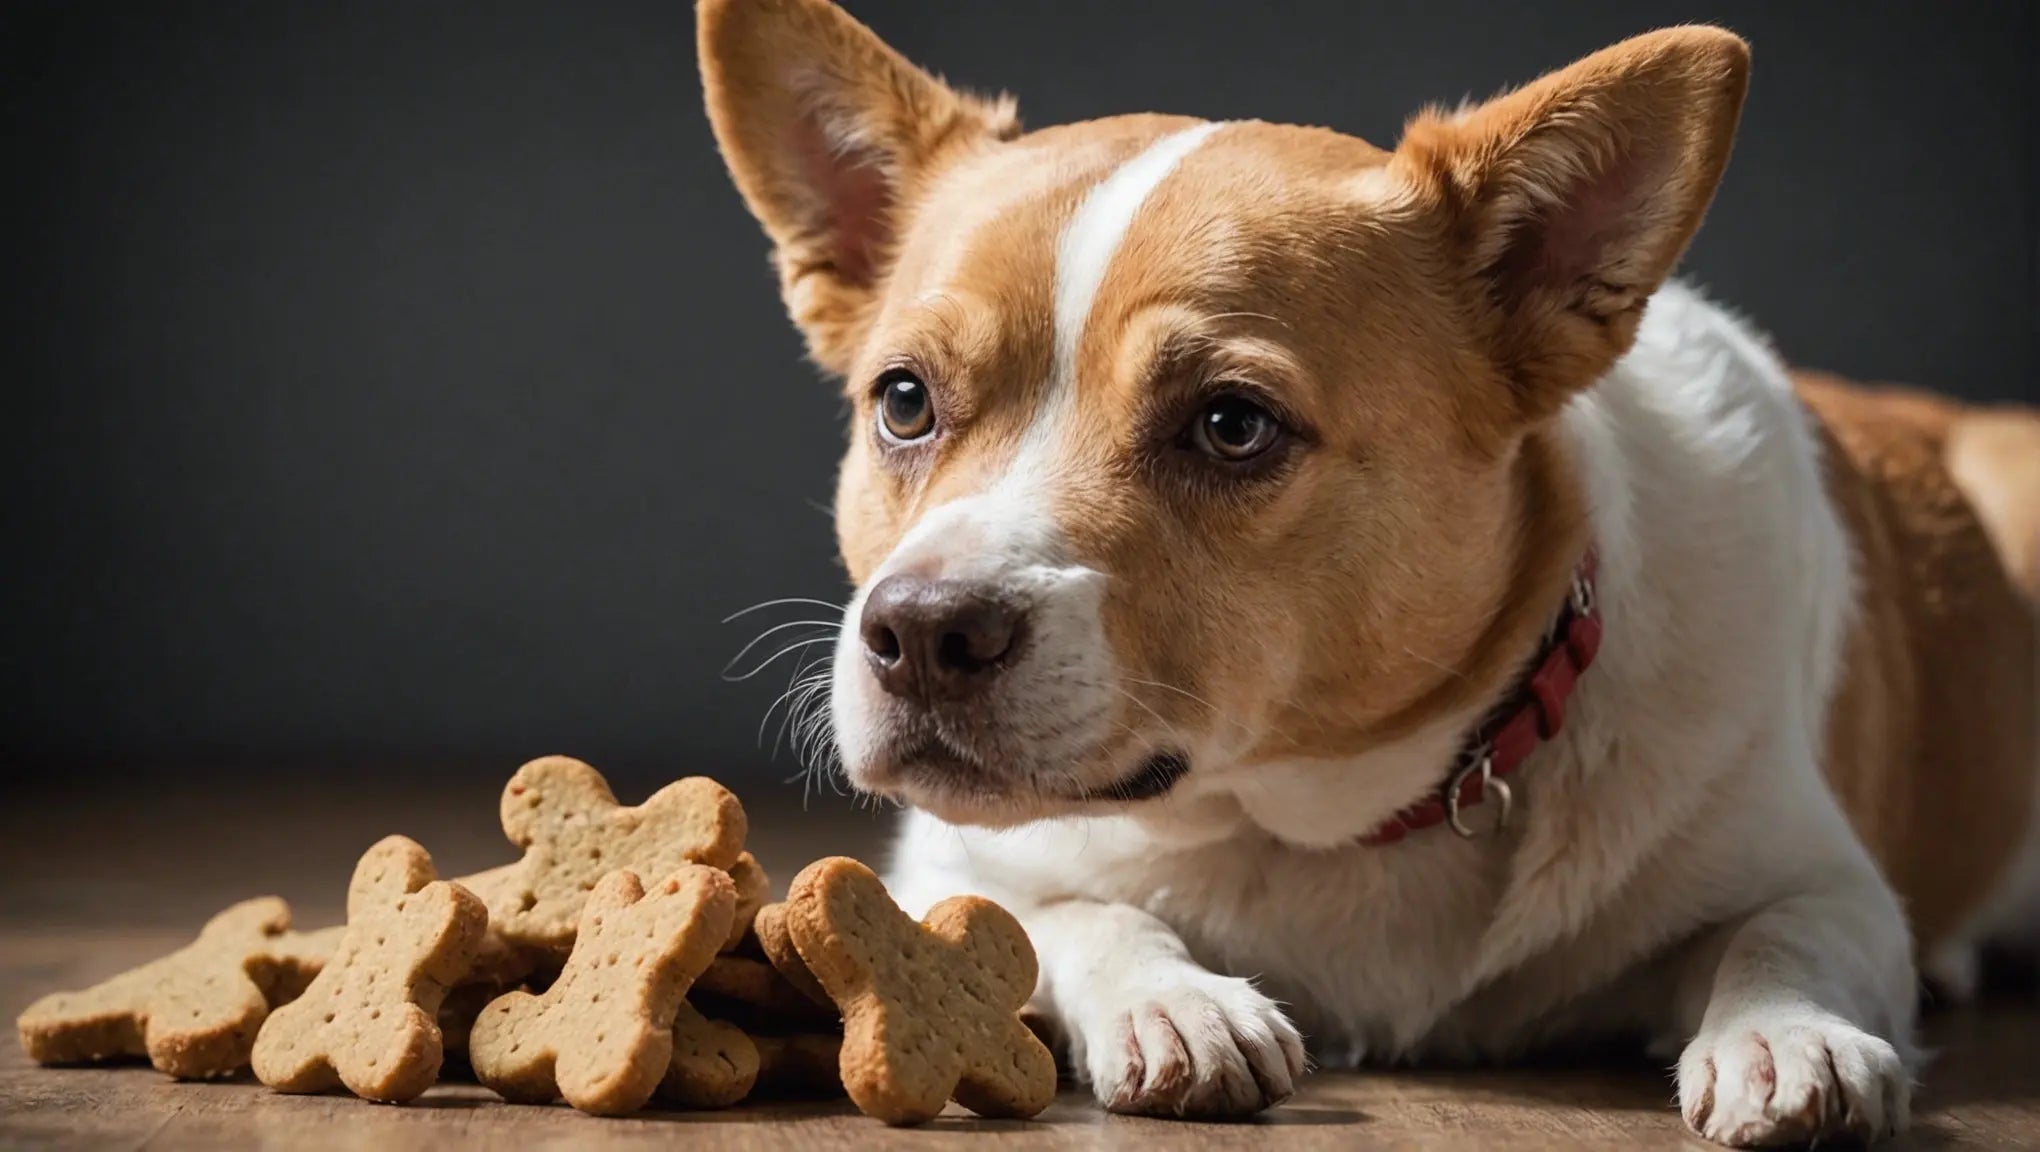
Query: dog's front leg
[[1793, 1014], [1153, 1031]]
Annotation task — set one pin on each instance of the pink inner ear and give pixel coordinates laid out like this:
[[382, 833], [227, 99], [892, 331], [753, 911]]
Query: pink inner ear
[[1581, 235], [855, 199]]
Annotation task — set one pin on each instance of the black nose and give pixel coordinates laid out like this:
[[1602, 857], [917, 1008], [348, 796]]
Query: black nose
[[931, 640]]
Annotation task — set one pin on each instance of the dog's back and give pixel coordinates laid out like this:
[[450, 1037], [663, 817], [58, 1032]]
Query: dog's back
[[1935, 739]]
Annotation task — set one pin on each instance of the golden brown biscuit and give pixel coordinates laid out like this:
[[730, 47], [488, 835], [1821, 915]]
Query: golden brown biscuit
[[754, 887], [459, 1011], [769, 930], [193, 1013], [714, 1063], [753, 992], [573, 832], [498, 962], [287, 964], [930, 1009], [602, 1035], [368, 1021]]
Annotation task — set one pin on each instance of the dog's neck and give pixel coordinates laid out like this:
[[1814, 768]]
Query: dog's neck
[[1532, 712]]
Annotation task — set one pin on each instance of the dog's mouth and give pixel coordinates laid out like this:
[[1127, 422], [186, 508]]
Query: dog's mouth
[[950, 781], [1154, 779]]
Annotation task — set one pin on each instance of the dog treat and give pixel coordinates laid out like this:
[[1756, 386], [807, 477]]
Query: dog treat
[[756, 993], [930, 1009], [801, 1064], [573, 832], [369, 1020], [754, 888], [769, 929], [499, 962], [286, 965], [602, 1035], [193, 1013], [714, 1064], [459, 1011]]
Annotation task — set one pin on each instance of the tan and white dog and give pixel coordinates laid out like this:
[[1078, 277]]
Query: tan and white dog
[[1216, 488]]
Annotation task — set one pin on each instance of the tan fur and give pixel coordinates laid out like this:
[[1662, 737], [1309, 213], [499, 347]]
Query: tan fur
[[753, 95], [1639, 133], [1994, 455], [1932, 741], [1482, 372], [1412, 423], [1441, 316]]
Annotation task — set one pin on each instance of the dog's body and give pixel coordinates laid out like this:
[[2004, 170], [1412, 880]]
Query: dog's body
[[1727, 577], [1213, 481]]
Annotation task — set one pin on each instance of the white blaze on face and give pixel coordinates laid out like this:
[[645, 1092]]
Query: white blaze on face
[[1006, 536]]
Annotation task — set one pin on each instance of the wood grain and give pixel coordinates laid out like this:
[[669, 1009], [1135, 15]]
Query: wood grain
[[90, 885]]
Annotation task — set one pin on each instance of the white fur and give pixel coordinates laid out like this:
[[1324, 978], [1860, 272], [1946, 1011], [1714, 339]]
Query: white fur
[[1677, 866], [1057, 696], [1093, 235], [1083, 253], [1061, 693]]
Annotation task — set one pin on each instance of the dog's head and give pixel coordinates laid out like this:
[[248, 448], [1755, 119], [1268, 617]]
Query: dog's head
[[1188, 450]]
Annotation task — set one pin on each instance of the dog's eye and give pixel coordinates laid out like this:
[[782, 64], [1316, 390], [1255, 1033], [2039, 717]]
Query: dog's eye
[[1233, 429], [905, 413]]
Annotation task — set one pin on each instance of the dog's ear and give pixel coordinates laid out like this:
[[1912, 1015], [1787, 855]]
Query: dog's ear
[[830, 135], [1568, 201]]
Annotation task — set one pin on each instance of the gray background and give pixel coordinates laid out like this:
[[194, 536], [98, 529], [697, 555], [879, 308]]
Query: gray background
[[403, 384]]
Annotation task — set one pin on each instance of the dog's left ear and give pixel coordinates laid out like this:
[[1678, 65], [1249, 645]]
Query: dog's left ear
[[829, 134], [1567, 202]]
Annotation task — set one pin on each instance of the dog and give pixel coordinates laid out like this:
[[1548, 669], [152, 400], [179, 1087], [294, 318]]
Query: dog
[[1357, 595]]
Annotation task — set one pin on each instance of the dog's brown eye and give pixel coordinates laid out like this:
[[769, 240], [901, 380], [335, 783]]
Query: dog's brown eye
[[905, 413], [1234, 428]]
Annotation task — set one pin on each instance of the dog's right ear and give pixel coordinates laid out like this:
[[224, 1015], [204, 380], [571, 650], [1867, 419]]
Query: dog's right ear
[[830, 136]]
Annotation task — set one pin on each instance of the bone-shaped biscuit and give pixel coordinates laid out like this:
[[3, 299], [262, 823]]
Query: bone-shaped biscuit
[[498, 962], [753, 992], [930, 1009], [368, 1020], [769, 927], [193, 1013], [573, 832], [714, 1063], [288, 963], [602, 1035], [754, 888]]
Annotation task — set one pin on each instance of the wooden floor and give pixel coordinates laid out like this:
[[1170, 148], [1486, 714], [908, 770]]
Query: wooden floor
[[91, 884]]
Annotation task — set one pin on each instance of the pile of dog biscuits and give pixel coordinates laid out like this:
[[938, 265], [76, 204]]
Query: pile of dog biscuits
[[628, 958]]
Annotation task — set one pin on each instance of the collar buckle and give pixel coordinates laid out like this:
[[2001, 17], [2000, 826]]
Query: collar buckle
[[1582, 594], [1482, 762]]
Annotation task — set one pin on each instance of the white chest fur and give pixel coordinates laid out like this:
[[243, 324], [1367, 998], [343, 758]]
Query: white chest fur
[[1684, 791]]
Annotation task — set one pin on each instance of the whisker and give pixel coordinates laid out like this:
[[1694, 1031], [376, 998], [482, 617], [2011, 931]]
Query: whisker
[[767, 662], [764, 604], [760, 639], [795, 681], [1413, 654], [1216, 713], [1150, 711], [1171, 688], [1130, 731], [812, 678]]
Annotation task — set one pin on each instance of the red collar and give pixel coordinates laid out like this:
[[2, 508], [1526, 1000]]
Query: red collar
[[1534, 712]]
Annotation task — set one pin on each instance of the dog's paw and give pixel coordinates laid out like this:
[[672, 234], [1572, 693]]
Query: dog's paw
[[1792, 1081], [1205, 1045]]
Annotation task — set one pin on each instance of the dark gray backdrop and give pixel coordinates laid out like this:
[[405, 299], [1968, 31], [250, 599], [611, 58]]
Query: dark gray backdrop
[[403, 382]]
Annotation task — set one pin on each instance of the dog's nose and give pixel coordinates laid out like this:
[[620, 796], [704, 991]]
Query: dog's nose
[[931, 640]]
